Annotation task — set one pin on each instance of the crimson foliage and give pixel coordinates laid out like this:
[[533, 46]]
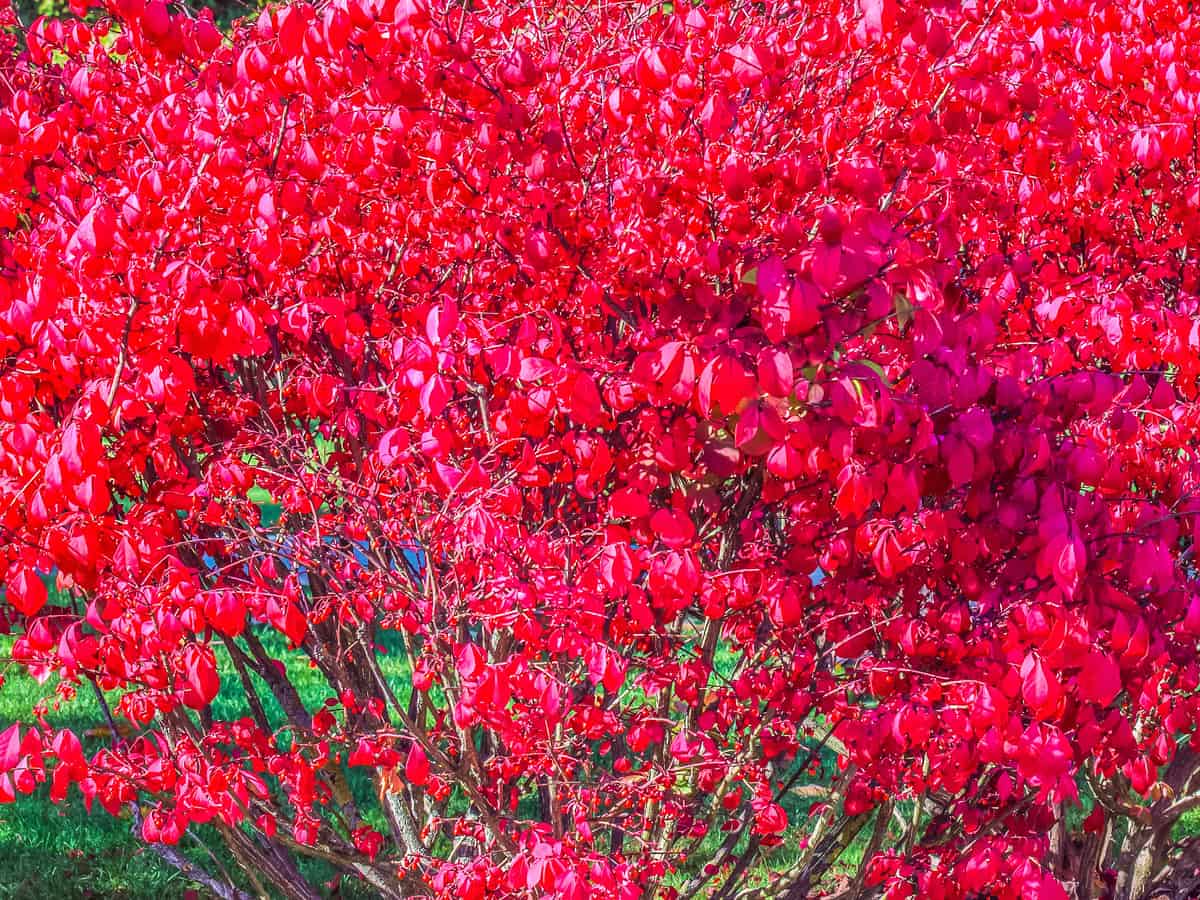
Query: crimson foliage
[[621, 409]]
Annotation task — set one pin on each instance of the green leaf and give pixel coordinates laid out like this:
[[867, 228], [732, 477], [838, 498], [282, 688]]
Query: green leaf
[[877, 369], [904, 309]]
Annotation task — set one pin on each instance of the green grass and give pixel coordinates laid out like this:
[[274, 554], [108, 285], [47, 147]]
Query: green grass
[[65, 851]]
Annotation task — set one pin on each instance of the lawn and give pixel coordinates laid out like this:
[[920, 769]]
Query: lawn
[[86, 854], [81, 854]]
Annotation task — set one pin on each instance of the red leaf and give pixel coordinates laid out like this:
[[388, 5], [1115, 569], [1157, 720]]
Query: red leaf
[[200, 679], [786, 607], [1039, 685], [890, 560], [652, 69], [226, 612], [392, 446], [1099, 679], [416, 767], [26, 591], [786, 461], [673, 528], [629, 503], [10, 747]]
